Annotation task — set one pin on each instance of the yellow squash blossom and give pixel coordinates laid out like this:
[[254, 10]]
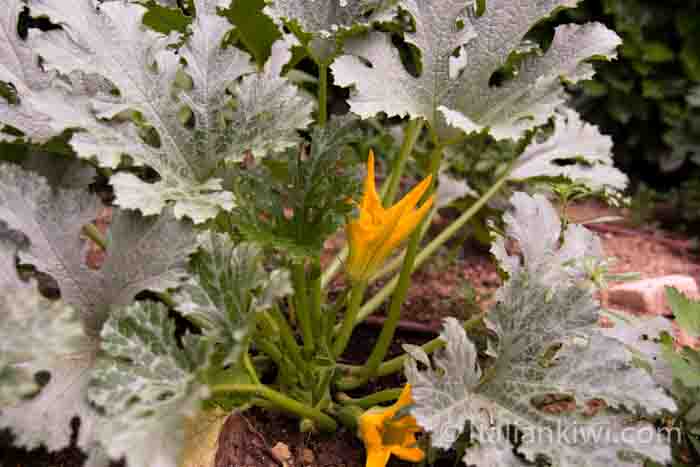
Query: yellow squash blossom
[[384, 435], [377, 231]]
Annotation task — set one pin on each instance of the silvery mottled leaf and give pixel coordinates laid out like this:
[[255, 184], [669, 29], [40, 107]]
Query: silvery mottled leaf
[[144, 254], [555, 257], [387, 86], [574, 141], [641, 335], [35, 331], [46, 418], [459, 87], [529, 99], [198, 125], [19, 65], [548, 344], [45, 104], [327, 21], [229, 286], [147, 385]]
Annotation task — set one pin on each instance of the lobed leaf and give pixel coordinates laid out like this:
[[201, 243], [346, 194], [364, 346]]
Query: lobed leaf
[[26, 316], [229, 287], [222, 119], [143, 253], [456, 90], [577, 142], [556, 258], [548, 347], [147, 386]]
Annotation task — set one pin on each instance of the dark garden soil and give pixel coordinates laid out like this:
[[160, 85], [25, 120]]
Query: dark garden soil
[[442, 288]]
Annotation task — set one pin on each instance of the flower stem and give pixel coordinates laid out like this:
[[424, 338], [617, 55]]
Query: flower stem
[[350, 318], [95, 235], [411, 136], [388, 330], [322, 94], [250, 369], [371, 400], [324, 422]]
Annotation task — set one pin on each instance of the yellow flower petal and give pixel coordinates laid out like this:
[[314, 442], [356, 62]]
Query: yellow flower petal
[[378, 231], [378, 457], [384, 436]]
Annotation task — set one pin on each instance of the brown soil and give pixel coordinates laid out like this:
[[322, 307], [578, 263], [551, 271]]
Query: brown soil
[[441, 288]]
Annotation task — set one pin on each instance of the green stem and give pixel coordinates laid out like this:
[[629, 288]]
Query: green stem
[[350, 318], [322, 94], [371, 306], [316, 302], [411, 136], [324, 422], [389, 328], [91, 232], [395, 364], [333, 268], [287, 337], [250, 369], [302, 307], [269, 348], [371, 400]]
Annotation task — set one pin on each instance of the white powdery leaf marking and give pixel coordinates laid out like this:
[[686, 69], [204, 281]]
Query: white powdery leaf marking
[[535, 225], [35, 331], [19, 65], [528, 99], [641, 335], [529, 321], [146, 253], [321, 17], [112, 42], [572, 139], [147, 386], [229, 287], [328, 20], [387, 86], [456, 91], [46, 419]]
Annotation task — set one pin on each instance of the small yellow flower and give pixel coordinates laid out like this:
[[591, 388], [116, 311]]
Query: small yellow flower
[[377, 231], [384, 436]]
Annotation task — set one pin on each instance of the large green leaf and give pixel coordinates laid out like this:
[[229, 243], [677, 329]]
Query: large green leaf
[[229, 287], [147, 385], [457, 90], [143, 254], [52, 328], [548, 346], [223, 118]]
